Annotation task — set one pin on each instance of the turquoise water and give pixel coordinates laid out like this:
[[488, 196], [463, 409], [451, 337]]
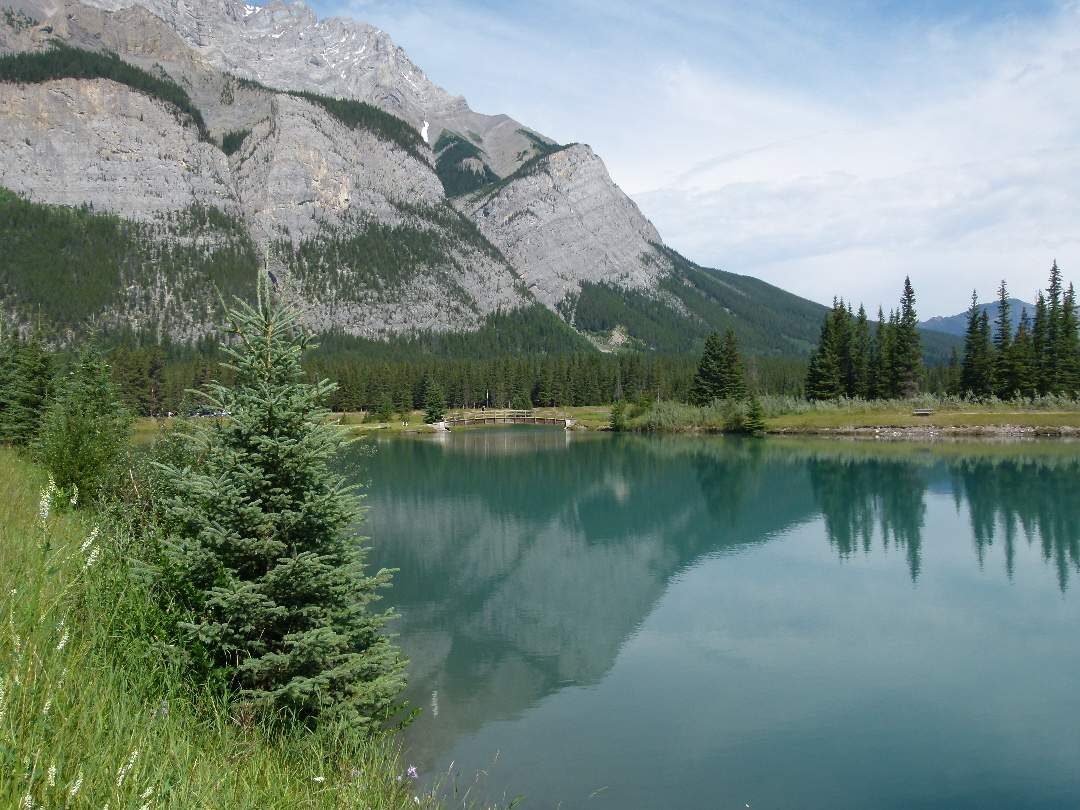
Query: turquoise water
[[605, 621]]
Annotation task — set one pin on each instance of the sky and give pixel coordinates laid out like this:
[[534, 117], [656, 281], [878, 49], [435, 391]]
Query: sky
[[830, 147]]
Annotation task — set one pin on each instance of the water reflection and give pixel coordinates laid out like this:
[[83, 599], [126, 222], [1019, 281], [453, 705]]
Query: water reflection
[[855, 495], [529, 557], [1034, 498]]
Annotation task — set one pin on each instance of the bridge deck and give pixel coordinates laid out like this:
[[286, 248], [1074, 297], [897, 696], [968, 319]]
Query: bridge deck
[[507, 420]]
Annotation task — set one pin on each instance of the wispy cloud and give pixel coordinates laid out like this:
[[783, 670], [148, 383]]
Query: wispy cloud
[[830, 148]]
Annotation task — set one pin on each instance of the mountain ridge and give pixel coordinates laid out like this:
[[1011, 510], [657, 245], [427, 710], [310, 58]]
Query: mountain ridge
[[360, 227]]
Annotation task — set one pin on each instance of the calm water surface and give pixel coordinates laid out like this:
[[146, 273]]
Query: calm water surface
[[659, 622]]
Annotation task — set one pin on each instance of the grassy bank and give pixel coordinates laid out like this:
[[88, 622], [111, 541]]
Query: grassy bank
[[1047, 415], [92, 713]]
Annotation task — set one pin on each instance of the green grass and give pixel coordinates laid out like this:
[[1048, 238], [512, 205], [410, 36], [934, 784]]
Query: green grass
[[795, 415], [92, 712]]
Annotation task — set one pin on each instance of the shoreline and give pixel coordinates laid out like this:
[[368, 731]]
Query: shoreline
[[937, 431]]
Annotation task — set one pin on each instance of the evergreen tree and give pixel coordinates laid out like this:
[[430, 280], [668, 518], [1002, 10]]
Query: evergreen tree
[[1004, 375], [976, 373], [825, 376], [881, 369], [1067, 351], [1040, 346], [709, 380], [907, 365], [732, 371], [521, 401], [1023, 360], [260, 551], [861, 355], [85, 429], [434, 402], [755, 418], [953, 386], [25, 376]]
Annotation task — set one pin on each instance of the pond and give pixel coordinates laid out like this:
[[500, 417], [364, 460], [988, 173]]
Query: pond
[[609, 621]]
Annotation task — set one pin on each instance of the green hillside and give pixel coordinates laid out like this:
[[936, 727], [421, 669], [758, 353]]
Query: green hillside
[[69, 266], [768, 320]]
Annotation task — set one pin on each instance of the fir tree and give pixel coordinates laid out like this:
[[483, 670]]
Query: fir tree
[[85, 429], [953, 386], [732, 370], [976, 374], [907, 346], [861, 354], [825, 377], [25, 377], [754, 423], [1004, 375], [709, 380], [1043, 371], [434, 402], [1023, 360], [1067, 350], [260, 550]]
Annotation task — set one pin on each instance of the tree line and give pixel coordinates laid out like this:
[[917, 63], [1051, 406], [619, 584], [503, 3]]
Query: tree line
[[1040, 356], [856, 359]]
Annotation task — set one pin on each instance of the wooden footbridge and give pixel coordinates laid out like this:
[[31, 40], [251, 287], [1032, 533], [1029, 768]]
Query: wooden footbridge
[[512, 418]]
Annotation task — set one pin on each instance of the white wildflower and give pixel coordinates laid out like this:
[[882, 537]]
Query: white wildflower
[[93, 558], [318, 779], [63, 640], [74, 788], [74, 495], [123, 772], [146, 794], [28, 802], [51, 778], [46, 500], [89, 541], [45, 711]]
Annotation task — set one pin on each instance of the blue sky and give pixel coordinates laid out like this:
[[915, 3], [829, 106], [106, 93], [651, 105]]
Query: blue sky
[[828, 147]]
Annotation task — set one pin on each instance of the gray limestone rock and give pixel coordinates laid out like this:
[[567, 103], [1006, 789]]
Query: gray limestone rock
[[301, 177], [566, 222]]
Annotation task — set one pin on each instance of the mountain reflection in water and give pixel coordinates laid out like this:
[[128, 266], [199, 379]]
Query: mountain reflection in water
[[528, 557]]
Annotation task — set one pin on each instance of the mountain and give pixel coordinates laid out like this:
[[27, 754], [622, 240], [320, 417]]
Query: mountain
[[152, 152], [957, 324]]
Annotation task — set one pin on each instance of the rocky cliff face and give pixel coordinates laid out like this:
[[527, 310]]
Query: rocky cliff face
[[565, 222], [75, 142], [311, 190], [284, 45]]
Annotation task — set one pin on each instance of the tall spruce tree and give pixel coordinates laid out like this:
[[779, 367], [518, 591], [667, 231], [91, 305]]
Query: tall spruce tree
[[1067, 350], [907, 368], [976, 373], [1023, 360], [827, 376], [861, 356], [1043, 371], [1004, 375], [732, 371], [261, 552], [709, 377]]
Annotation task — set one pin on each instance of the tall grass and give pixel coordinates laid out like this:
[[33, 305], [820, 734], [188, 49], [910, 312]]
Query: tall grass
[[94, 715]]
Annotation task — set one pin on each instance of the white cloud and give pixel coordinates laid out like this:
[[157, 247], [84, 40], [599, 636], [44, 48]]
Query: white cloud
[[829, 148]]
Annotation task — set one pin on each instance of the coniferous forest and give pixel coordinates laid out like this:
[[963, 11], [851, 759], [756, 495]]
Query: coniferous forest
[[1016, 355]]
